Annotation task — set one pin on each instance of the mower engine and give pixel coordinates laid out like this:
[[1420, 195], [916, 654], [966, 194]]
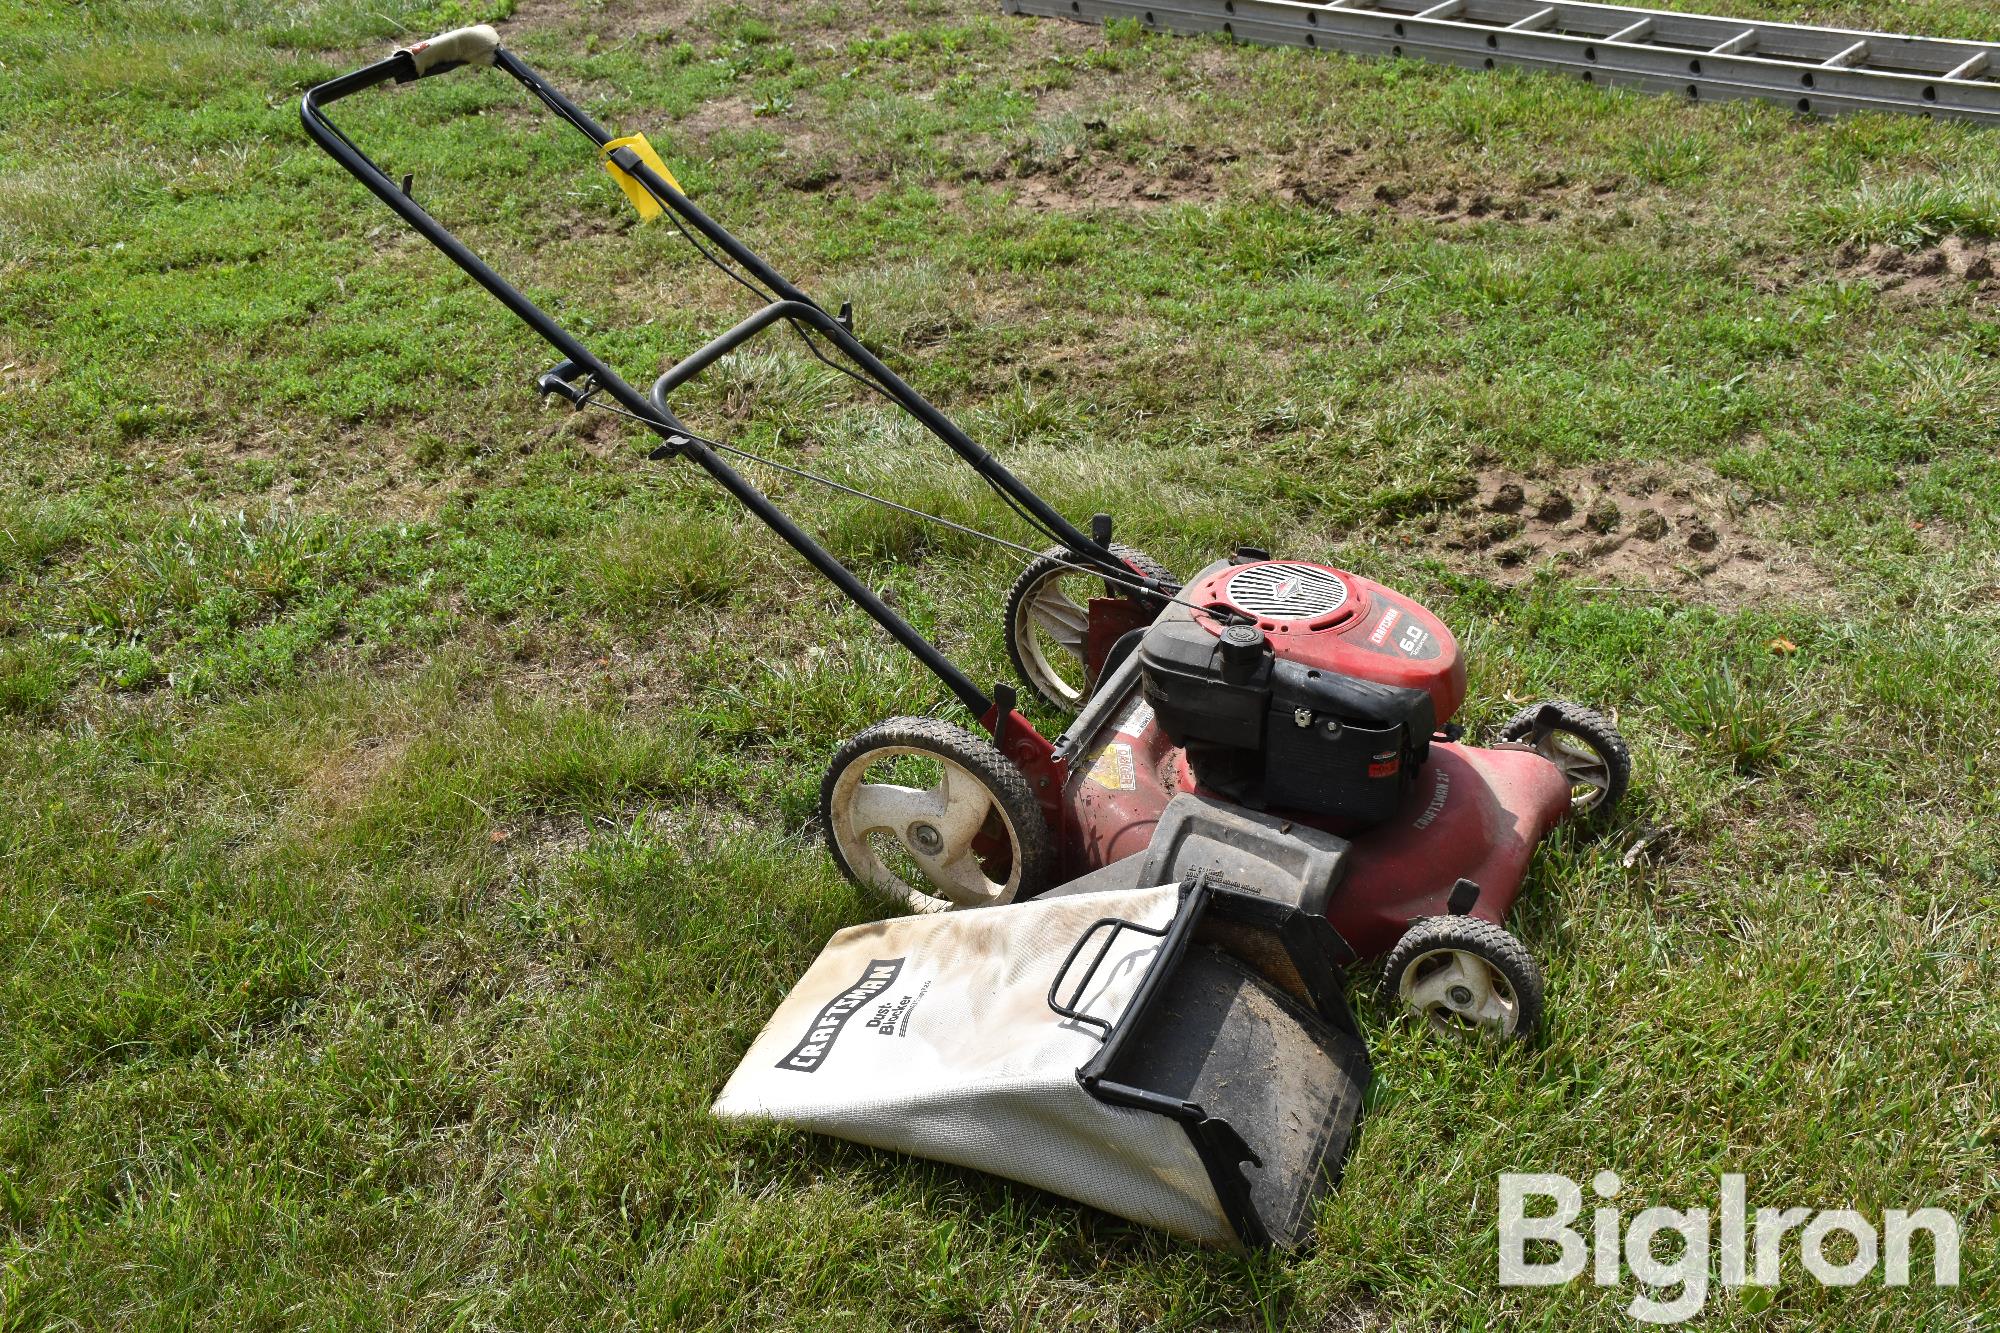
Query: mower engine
[[1302, 687]]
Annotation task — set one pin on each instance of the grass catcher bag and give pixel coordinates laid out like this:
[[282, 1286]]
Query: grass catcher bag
[[1180, 1056]]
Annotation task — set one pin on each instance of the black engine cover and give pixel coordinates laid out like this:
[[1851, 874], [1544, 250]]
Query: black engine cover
[[1273, 733]]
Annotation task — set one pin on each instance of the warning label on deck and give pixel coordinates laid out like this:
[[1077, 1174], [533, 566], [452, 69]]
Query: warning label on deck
[[1137, 718], [1113, 768]]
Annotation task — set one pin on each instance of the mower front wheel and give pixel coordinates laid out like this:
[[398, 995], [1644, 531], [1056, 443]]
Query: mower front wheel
[[1462, 974], [1048, 621], [1584, 745], [932, 818]]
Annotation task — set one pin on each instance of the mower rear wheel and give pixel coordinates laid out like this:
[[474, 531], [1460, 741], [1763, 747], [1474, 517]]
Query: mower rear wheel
[[932, 818], [1584, 745], [1048, 621], [1463, 974]]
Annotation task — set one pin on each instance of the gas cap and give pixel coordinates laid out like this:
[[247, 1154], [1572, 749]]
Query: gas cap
[[1242, 652]]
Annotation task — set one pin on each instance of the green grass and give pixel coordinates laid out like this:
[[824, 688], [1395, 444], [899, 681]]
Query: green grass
[[409, 791], [1909, 212]]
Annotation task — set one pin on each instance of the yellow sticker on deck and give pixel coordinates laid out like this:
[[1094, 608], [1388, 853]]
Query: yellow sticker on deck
[[1113, 768], [642, 198]]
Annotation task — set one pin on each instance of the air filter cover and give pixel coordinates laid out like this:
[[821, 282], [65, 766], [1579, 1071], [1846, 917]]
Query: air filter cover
[[1284, 590], [1329, 620]]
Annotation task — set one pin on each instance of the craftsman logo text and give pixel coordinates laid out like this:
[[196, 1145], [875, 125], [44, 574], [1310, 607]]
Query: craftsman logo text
[[1436, 807], [813, 1047]]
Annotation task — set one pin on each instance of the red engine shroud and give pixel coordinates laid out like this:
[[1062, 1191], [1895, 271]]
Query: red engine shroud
[[1372, 633]]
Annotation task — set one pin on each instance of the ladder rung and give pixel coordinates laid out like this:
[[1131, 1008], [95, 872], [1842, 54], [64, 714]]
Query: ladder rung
[[1535, 22], [1637, 32], [1849, 58], [1738, 44], [1442, 11], [1972, 68]]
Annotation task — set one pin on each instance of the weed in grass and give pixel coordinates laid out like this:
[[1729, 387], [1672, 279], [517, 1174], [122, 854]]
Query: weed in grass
[[33, 531], [147, 419], [1910, 211], [1755, 718], [128, 667], [1124, 32], [647, 570], [784, 388], [33, 678], [1672, 158], [833, 691]]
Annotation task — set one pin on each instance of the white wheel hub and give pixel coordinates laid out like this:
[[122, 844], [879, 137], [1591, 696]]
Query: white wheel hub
[[1458, 989], [1588, 774], [1051, 619], [933, 828]]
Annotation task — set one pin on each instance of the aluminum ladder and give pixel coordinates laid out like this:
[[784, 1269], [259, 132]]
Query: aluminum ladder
[[1821, 71]]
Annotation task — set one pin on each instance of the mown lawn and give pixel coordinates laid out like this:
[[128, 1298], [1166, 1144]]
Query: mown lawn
[[409, 792]]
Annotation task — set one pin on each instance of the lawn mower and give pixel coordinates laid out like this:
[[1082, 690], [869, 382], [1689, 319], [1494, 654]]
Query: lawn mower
[[1279, 723]]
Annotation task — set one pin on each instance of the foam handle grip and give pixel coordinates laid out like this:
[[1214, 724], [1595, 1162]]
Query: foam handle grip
[[461, 46]]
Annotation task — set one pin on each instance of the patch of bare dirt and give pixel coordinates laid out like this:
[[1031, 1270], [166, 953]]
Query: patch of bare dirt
[[528, 847], [1625, 527], [1925, 276], [815, 155], [1348, 179], [811, 158], [343, 777], [21, 371], [1086, 180], [615, 15], [1086, 176]]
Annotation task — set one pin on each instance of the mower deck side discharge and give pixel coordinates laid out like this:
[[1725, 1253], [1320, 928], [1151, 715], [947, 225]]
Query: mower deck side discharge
[[1475, 820]]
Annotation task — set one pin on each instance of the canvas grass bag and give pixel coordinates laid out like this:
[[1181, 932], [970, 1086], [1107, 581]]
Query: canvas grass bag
[[1178, 1055]]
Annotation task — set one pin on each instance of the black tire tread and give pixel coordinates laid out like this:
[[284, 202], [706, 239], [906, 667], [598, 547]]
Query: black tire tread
[[1593, 729]]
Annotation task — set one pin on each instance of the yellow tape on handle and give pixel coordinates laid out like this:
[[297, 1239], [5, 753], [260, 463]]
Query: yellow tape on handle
[[642, 198]]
